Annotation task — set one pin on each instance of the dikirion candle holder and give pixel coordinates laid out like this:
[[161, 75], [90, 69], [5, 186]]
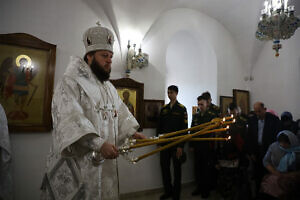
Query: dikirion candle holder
[[215, 125]]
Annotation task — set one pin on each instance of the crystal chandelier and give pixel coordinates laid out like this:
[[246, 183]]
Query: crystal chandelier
[[277, 22]]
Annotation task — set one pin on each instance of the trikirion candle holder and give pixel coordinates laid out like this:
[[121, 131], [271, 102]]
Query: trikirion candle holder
[[215, 125]]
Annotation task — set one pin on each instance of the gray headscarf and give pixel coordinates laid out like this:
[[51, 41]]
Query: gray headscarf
[[290, 157]]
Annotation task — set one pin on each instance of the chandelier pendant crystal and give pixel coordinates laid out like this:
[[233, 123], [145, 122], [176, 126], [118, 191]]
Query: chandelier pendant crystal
[[277, 22]]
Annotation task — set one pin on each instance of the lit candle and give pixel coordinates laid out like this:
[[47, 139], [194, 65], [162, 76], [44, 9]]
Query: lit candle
[[185, 138], [147, 142], [216, 120], [198, 127], [205, 128], [208, 139]]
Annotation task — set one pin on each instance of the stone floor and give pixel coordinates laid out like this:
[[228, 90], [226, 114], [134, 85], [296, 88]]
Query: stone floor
[[155, 194]]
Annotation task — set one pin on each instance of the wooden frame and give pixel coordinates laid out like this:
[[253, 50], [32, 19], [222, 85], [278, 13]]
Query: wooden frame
[[195, 109], [224, 103], [151, 112], [27, 67], [241, 98], [135, 93]]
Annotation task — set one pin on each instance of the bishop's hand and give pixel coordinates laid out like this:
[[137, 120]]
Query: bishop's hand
[[138, 135], [109, 151]]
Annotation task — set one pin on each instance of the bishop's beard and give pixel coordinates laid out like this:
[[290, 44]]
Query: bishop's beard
[[99, 72]]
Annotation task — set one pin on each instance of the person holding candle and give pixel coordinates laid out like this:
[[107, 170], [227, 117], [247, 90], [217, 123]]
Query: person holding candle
[[232, 163], [203, 152], [90, 121], [173, 117]]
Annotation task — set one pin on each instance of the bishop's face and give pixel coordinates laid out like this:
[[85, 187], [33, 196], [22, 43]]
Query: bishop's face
[[104, 59], [100, 63]]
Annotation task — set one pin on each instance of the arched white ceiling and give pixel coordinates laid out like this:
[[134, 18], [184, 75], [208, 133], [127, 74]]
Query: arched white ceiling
[[240, 17]]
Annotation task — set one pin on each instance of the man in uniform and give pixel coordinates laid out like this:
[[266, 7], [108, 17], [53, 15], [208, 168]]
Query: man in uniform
[[173, 117], [90, 121], [203, 151], [212, 108]]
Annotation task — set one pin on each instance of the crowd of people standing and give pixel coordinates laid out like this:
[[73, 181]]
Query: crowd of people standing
[[263, 148]]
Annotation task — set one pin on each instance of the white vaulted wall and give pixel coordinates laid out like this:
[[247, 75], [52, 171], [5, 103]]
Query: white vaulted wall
[[277, 80], [195, 52], [186, 48]]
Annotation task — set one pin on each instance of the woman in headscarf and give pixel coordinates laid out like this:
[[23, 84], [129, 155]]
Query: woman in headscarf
[[282, 160]]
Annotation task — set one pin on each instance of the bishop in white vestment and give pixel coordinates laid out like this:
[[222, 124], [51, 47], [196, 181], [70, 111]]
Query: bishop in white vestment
[[89, 122]]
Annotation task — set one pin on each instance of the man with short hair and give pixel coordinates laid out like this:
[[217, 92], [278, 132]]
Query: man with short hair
[[214, 109], [203, 151], [173, 117], [90, 121], [262, 131]]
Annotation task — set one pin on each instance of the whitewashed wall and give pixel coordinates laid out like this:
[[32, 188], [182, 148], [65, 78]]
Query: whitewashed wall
[[277, 80], [195, 52], [57, 22], [179, 34]]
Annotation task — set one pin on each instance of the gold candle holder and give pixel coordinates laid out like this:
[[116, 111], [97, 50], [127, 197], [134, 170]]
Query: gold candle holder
[[202, 129]]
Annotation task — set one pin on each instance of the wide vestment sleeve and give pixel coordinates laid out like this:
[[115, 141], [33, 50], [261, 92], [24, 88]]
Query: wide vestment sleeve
[[69, 117], [6, 180]]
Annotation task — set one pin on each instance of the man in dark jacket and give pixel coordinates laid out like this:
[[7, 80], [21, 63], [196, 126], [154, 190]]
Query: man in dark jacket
[[262, 130], [173, 117]]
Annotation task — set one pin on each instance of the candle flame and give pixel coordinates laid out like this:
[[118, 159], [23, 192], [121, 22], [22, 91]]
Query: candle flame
[[132, 141], [229, 137], [134, 160], [227, 127], [224, 119], [233, 120]]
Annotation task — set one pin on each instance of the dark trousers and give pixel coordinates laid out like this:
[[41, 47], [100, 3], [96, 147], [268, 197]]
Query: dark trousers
[[259, 171], [165, 162], [204, 168]]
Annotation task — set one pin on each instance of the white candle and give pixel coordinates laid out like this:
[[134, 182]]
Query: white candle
[[285, 4]]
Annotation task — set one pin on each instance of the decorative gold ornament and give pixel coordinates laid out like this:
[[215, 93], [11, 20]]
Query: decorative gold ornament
[[28, 59]]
